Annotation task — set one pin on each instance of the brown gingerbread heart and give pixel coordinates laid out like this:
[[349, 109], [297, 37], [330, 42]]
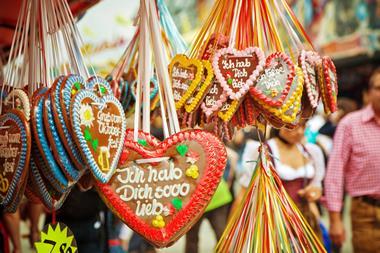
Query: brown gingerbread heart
[[15, 146]]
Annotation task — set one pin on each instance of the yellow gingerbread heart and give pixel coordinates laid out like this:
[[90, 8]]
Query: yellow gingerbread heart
[[186, 74]]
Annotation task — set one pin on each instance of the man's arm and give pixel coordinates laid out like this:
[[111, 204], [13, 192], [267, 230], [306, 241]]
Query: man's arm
[[334, 182]]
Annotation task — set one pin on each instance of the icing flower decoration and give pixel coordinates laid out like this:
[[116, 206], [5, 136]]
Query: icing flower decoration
[[158, 222], [274, 92], [86, 115], [192, 171], [102, 90], [192, 157]]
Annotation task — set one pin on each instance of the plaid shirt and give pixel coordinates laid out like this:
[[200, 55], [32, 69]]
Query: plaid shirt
[[355, 159]]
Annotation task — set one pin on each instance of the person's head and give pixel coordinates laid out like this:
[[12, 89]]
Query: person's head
[[374, 90], [292, 136]]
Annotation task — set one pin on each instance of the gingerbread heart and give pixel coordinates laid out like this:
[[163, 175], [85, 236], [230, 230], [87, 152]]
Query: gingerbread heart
[[15, 147], [307, 109], [37, 186], [228, 109], [61, 93], [194, 101], [292, 104], [237, 70], [273, 84], [185, 75], [160, 193], [99, 129], [329, 84], [214, 99], [307, 61], [287, 113], [59, 152], [12, 207], [18, 99], [51, 170]]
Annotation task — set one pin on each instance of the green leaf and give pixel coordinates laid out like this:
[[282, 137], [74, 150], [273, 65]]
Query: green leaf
[[102, 89], [142, 142], [77, 85], [95, 144], [177, 203], [182, 149], [87, 134]]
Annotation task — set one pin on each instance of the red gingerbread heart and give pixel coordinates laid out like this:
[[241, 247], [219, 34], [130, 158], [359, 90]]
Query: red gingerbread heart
[[161, 191], [329, 84]]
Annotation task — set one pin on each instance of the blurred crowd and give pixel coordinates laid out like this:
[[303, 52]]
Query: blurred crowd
[[321, 163]]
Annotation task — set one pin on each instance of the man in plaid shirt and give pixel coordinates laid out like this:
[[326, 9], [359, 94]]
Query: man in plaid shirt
[[354, 167]]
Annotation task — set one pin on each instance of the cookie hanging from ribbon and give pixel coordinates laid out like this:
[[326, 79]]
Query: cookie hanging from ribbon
[[287, 113], [15, 147], [197, 97], [161, 190], [273, 85], [17, 99], [328, 81], [185, 75], [307, 61], [61, 92], [237, 70], [99, 130]]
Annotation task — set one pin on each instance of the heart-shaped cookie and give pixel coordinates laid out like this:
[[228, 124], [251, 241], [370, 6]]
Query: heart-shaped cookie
[[15, 147], [99, 129], [214, 99], [61, 93], [61, 156], [291, 106], [52, 171], [307, 61], [161, 192], [238, 70], [228, 109], [37, 185], [272, 86], [251, 113], [194, 101], [12, 207], [19, 100], [329, 84], [186, 74]]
